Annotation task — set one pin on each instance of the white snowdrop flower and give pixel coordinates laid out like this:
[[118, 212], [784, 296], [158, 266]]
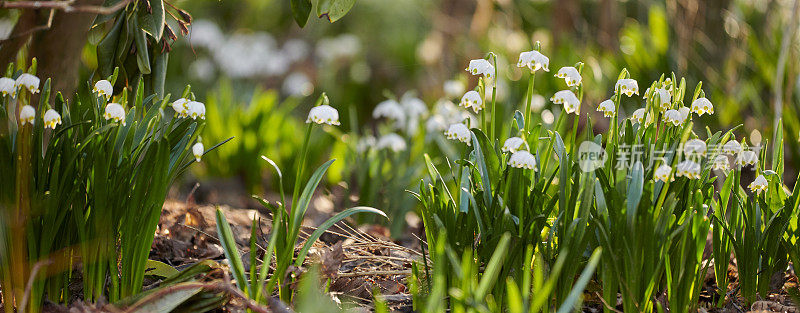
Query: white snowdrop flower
[[393, 142], [458, 131], [694, 146], [664, 98], [684, 111], [205, 33], [663, 173], [103, 88], [453, 88], [638, 115], [472, 99], [534, 60], [673, 117], [29, 82], [747, 157], [390, 109], [436, 123], [628, 86], [721, 163], [568, 99], [115, 111], [51, 119], [323, 114], [8, 87], [702, 106], [196, 110], [513, 144], [522, 159], [365, 143], [607, 107], [732, 147], [481, 67], [181, 107], [570, 75], [688, 169], [198, 150], [537, 103], [297, 84], [27, 114], [548, 117], [759, 184], [414, 107]]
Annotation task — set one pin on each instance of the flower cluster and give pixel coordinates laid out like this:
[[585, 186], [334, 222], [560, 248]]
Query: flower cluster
[[10, 86]]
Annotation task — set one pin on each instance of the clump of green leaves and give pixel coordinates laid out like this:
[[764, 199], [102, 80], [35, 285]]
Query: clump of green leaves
[[90, 187]]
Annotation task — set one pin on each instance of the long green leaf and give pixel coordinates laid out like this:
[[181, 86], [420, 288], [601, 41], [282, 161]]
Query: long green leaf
[[231, 251]]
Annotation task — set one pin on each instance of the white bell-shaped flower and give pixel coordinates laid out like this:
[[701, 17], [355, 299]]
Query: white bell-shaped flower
[[51, 119], [607, 107], [688, 169], [481, 67], [638, 115], [663, 173], [684, 111], [628, 86], [29, 82], [413, 107], [747, 157], [181, 107], [721, 163], [694, 147], [522, 159], [702, 106], [664, 99], [732, 147], [436, 123], [391, 110], [115, 112], [8, 87], [472, 99], [453, 88], [534, 60], [366, 143], [393, 142], [759, 184], [570, 75], [198, 150], [197, 110], [103, 88], [458, 131], [673, 117], [568, 99], [323, 114], [513, 144], [27, 115]]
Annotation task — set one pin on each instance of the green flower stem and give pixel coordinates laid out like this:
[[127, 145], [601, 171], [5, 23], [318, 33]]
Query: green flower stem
[[493, 113], [301, 166], [528, 100]]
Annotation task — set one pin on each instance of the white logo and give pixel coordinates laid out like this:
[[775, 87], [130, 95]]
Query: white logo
[[591, 156]]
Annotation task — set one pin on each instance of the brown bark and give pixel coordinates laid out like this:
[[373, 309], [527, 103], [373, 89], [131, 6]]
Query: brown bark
[[563, 18], [609, 27]]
